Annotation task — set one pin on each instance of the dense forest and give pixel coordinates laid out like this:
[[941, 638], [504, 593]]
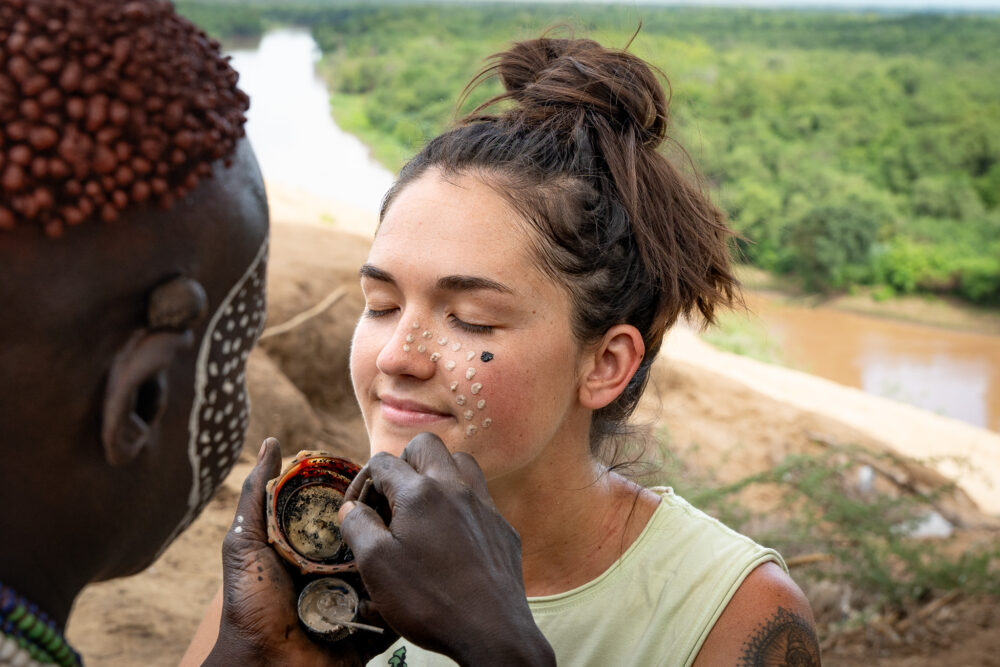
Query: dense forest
[[848, 148]]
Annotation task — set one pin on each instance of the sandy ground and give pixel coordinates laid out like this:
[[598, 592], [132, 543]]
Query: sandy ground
[[729, 413]]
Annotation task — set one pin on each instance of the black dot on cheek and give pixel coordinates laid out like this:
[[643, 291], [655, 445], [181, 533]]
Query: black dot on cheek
[[486, 356]]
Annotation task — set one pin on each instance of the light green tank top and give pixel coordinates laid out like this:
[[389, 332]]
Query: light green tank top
[[654, 606]]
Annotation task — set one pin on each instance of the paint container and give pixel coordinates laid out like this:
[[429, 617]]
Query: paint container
[[325, 605], [302, 505]]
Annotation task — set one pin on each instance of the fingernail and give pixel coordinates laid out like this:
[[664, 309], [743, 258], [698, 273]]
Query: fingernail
[[263, 450], [347, 507]]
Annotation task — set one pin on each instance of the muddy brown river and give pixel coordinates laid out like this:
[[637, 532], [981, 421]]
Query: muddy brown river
[[953, 373]]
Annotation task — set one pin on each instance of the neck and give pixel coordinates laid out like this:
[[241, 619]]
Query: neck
[[574, 524], [27, 632], [50, 593]]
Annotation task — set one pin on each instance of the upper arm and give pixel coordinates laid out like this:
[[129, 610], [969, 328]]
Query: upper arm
[[767, 622]]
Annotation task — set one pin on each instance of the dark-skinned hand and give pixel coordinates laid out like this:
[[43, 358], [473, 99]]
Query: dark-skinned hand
[[259, 620], [446, 571]]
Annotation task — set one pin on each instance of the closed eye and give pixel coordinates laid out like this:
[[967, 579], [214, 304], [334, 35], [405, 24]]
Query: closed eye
[[373, 313], [469, 327]]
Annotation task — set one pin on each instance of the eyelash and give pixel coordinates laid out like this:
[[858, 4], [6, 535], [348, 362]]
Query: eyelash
[[470, 328], [372, 314]]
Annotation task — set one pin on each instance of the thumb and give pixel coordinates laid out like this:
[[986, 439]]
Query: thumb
[[362, 528], [250, 524]]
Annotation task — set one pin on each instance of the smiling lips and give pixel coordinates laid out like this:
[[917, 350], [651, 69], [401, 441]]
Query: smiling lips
[[408, 413]]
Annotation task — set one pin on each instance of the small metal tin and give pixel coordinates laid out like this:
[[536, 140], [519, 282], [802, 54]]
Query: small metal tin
[[302, 506], [325, 604]]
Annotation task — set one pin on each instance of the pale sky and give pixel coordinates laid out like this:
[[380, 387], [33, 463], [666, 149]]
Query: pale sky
[[938, 5]]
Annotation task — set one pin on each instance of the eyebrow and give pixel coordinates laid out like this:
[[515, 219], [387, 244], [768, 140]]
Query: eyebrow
[[455, 283]]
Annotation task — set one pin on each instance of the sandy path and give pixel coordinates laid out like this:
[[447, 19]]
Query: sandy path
[[956, 449]]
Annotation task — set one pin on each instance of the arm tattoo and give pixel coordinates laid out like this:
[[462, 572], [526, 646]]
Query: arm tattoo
[[784, 639]]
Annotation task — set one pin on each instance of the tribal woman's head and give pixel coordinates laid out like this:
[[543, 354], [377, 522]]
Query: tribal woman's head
[[133, 244]]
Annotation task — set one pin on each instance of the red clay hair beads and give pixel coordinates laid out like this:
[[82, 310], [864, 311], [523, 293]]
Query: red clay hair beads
[[105, 105]]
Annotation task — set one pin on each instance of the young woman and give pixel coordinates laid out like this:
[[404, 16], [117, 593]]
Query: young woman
[[526, 268], [527, 265]]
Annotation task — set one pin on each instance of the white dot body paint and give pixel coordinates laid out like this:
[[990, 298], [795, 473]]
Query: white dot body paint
[[416, 325], [480, 404], [450, 365], [476, 387], [238, 529], [443, 340], [214, 438], [435, 356], [487, 422], [406, 347], [456, 346], [454, 386], [470, 356], [421, 349], [426, 334], [470, 373], [470, 430], [239, 519], [468, 415], [460, 399], [409, 338]]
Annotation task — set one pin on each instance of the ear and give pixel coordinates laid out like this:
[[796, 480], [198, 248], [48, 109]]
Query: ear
[[610, 365], [137, 389], [136, 394]]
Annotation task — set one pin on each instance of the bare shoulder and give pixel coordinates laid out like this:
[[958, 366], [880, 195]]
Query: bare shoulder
[[768, 622]]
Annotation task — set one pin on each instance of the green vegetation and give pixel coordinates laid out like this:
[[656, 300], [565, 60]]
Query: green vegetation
[[741, 333], [862, 537], [848, 148]]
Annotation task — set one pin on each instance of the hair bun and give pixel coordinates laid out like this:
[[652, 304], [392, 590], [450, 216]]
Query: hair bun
[[558, 79]]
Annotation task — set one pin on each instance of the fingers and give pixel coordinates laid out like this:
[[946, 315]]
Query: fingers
[[472, 476], [249, 522], [427, 454], [364, 530], [391, 476]]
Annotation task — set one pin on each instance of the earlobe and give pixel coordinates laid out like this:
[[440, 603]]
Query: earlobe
[[611, 366], [136, 394]]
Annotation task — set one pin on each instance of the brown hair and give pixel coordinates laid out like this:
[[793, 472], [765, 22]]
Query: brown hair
[[105, 104], [632, 238]]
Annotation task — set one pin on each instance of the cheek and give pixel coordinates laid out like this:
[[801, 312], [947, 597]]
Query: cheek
[[363, 354]]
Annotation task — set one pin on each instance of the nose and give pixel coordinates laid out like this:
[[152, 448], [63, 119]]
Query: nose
[[407, 352]]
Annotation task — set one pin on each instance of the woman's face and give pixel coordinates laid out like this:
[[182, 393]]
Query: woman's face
[[463, 335]]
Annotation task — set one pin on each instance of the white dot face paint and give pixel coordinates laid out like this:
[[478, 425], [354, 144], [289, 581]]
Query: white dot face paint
[[460, 399], [421, 349], [220, 388], [470, 430], [456, 347], [450, 365], [416, 325], [480, 404], [487, 422], [409, 338], [454, 386], [435, 356], [443, 340], [470, 356], [470, 373], [406, 347], [426, 334], [476, 387], [468, 414]]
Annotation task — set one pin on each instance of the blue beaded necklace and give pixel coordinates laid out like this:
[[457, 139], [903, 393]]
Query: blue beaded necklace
[[27, 633]]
